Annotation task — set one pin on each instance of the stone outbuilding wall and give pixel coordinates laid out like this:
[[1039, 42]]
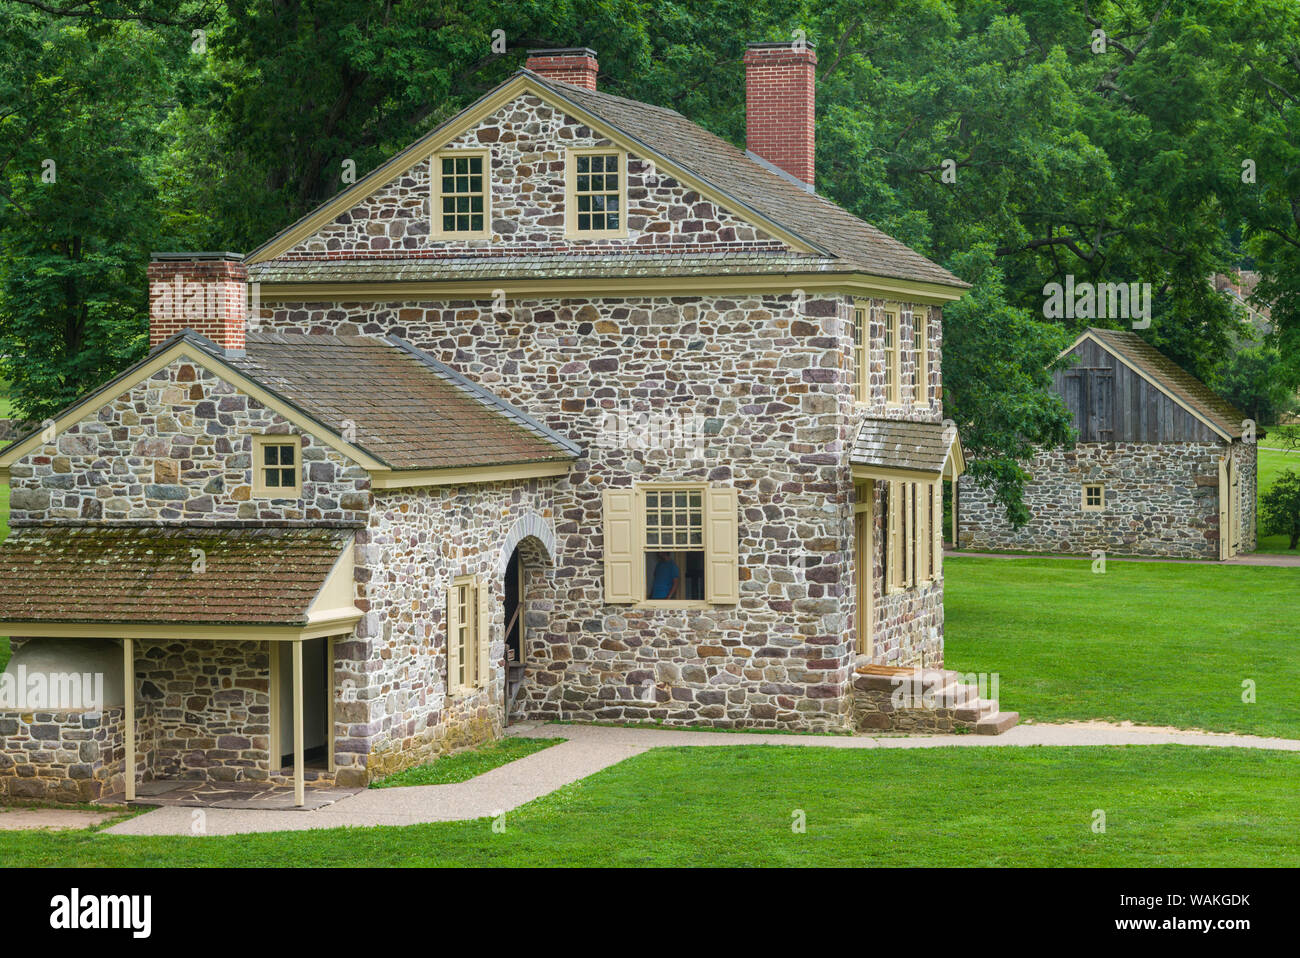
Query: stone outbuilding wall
[[1161, 499]]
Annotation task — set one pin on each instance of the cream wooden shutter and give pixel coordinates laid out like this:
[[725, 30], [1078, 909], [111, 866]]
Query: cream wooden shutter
[[1224, 534], [453, 630], [892, 578], [938, 529], [722, 539], [923, 502], [622, 548], [483, 633]]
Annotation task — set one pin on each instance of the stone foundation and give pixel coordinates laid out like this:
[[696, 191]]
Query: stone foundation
[[69, 757]]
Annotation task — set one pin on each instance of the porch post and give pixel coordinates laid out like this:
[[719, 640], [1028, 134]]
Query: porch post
[[128, 682], [299, 783]]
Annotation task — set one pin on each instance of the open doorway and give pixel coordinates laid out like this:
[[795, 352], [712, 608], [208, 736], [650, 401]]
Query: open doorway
[[317, 683]]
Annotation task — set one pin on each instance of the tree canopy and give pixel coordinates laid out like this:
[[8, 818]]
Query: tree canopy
[[1019, 143]]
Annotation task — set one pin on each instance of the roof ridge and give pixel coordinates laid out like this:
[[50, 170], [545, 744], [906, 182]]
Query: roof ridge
[[487, 397]]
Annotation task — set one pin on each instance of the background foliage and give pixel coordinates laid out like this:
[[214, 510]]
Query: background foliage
[[1124, 165]]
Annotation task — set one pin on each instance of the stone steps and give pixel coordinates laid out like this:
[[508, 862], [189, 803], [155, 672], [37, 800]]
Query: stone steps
[[890, 698]]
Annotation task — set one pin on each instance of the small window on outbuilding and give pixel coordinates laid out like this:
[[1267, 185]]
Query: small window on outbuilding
[[1094, 496], [277, 467]]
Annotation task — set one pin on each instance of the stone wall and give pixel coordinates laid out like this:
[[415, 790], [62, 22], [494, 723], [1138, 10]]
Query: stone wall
[[1245, 455], [766, 379], [393, 710], [205, 710], [74, 756], [175, 448], [1161, 500], [527, 140]]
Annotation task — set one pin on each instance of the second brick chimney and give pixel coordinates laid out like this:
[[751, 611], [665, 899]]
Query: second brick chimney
[[575, 65], [780, 82], [205, 292]]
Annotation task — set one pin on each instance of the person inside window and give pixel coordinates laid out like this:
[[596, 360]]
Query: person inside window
[[667, 578]]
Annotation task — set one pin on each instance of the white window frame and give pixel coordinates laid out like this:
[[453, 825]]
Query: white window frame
[[891, 334], [921, 362], [860, 352]]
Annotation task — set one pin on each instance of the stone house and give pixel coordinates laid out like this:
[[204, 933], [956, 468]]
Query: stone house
[[1162, 465], [570, 410]]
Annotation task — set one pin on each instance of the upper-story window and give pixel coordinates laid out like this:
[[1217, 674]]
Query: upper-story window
[[461, 197], [277, 472], [861, 340], [596, 193], [893, 349], [921, 368]]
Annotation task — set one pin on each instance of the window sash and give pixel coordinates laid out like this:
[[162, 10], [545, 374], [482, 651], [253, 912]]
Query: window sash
[[861, 373], [597, 193], [891, 356], [921, 382], [461, 180]]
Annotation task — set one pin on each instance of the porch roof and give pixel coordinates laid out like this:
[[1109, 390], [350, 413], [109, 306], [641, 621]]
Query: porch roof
[[188, 577], [894, 449]]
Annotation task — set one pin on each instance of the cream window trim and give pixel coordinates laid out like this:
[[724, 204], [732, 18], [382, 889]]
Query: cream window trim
[[438, 229], [572, 229], [1093, 497], [891, 336], [268, 477], [921, 366], [467, 635], [860, 352], [936, 544], [627, 545]]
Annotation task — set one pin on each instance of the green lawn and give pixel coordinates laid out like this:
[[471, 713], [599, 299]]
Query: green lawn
[[1164, 806], [1272, 462], [1156, 643], [462, 766]]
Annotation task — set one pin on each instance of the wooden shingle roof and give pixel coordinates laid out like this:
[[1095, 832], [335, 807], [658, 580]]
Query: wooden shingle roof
[[1170, 378], [146, 575], [399, 404], [914, 447]]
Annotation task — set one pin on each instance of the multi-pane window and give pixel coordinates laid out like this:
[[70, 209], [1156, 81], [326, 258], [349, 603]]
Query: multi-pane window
[[921, 383], [891, 345], [276, 470], [674, 544], [861, 336], [670, 543], [596, 193], [1094, 496], [461, 194], [467, 664]]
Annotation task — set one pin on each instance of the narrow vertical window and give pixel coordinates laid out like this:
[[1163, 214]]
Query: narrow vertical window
[[891, 356], [861, 375], [921, 382]]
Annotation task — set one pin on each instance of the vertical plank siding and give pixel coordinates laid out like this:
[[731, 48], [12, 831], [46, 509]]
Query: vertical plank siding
[[1101, 391]]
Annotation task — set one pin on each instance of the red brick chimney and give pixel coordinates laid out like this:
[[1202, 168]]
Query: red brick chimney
[[574, 65], [780, 80], [205, 292]]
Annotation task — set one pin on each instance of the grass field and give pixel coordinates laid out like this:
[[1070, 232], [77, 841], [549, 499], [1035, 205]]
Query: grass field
[[735, 806], [1272, 462], [462, 766], [1157, 643]]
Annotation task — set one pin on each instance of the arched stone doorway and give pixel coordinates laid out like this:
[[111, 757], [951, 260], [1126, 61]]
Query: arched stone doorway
[[527, 559]]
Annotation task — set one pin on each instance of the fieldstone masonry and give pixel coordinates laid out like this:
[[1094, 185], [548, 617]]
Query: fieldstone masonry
[[1161, 499], [73, 756]]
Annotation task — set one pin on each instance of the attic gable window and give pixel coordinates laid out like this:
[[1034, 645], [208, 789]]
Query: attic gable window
[[277, 472], [461, 196], [596, 200]]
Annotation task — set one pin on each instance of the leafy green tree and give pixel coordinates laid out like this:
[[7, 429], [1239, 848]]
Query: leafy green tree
[[78, 207], [1252, 379], [1279, 508]]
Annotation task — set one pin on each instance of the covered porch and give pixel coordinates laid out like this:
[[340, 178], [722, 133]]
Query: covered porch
[[226, 640]]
